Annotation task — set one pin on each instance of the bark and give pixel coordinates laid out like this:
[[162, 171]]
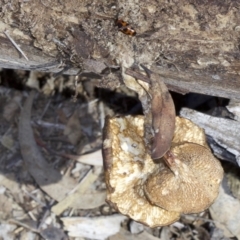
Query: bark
[[224, 140], [193, 44]]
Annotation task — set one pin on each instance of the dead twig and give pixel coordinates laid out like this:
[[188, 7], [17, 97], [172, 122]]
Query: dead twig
[[138, 75], [15, 45], [30, 226]]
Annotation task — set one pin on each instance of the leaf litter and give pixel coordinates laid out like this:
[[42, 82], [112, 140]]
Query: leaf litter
[[55, 188], [48, 178]]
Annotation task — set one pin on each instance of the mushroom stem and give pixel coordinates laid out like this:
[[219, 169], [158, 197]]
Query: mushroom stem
[[170, 160]]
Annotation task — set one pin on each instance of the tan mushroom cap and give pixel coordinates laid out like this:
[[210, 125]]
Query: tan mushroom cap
[[187, 131], [157, 193], [191, 184], [127, 166]]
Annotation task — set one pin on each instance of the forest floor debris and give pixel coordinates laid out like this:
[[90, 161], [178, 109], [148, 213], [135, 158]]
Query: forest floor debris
[[68, 136]]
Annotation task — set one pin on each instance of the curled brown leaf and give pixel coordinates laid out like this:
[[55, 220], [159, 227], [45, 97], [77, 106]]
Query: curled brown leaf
[[159, 111], [163, 117]]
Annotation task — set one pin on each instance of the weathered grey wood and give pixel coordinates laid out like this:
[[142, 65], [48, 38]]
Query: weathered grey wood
[[223, 134], [194, 45], [38, 61]]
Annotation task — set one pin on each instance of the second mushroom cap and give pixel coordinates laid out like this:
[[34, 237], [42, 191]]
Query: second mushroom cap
[[189, 183]]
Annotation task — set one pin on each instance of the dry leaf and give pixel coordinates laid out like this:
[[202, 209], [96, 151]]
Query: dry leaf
[[74, 199], [32, 80], [49, 179], [13, 186], [124, 235], [89, 200], [73, 129], [94, 158], [98, 228], [53, 233], [159, 111], [226, 213], [166, 233], [163, 117], [7, 142], [12, 106], [26, 235], [5, 207], [6, 231], [136, 227], [27, 223]]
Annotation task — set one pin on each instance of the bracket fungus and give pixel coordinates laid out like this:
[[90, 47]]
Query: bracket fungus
[[185, 180]]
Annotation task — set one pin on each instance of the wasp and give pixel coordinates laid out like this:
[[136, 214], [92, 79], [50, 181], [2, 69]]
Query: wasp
[[124, 27]]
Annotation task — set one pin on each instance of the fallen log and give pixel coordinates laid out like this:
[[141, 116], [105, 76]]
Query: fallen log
[[194, 45]]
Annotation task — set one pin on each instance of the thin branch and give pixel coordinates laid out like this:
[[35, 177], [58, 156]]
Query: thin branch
[[15, 45], [137, 75]]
